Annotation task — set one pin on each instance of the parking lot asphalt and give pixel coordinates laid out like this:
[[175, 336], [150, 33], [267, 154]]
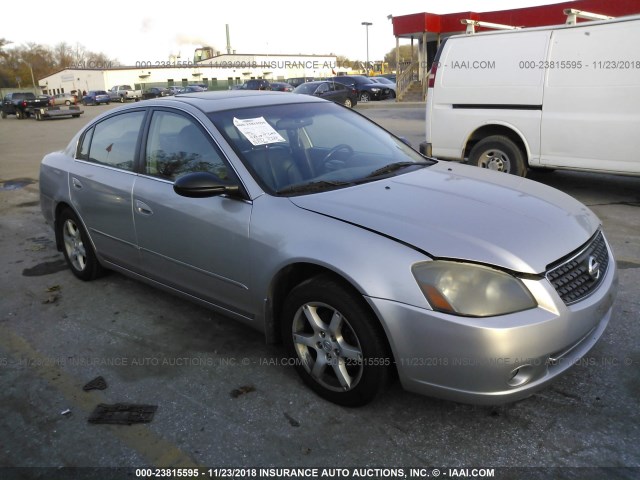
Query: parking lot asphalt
[[225, 399]]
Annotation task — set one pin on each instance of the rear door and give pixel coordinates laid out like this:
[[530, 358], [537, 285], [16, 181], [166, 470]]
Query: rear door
[[101, 185]]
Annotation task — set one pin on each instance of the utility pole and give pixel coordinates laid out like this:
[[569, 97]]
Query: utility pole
[[367, 25]]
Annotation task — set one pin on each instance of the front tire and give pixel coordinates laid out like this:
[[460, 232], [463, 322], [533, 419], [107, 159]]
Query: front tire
[[339, 348], [498, 153], [77, 248], [365, 96]]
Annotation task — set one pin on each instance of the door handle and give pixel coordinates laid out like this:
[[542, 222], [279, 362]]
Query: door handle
[[76, 183], [143, 209]]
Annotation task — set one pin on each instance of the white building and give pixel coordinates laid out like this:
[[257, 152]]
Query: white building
[[218, 73]]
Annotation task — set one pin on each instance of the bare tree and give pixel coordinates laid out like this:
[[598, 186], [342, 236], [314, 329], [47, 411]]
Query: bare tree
[[20, 61]]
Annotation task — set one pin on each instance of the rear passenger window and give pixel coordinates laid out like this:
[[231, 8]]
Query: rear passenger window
[[176, 146], [114, 141]]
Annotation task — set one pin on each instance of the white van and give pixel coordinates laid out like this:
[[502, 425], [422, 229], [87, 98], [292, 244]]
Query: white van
[[550, 97]]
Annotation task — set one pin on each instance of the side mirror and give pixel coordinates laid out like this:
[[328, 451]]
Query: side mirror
[[202, 185]]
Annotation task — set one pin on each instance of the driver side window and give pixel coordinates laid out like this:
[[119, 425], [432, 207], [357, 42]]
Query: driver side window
[[177, 146]]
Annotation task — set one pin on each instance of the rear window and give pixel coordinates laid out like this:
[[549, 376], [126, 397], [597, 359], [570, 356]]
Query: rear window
[[113, 141], [24, 96]]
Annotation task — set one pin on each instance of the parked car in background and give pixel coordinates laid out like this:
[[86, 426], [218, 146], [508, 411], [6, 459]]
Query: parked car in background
[[474, 286], [390, 76], [191, 89], [96, 97], [122, 93], [65, 99], [365, 88], [49, 98], [175, 89], [155, 92], [297, 81], [281, 87], [334, 91], [22, 104], [254, 84], [387, 83]]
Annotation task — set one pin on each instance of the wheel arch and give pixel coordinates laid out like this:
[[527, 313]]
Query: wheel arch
[[498, 129], [56, 222], [64, 205], [290, 277]]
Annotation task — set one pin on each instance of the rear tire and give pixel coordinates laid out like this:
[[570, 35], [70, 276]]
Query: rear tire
[[498, 153], [121, 99], [19, 114], [4, 114], [348, 103], [338, 346], [77, 248]]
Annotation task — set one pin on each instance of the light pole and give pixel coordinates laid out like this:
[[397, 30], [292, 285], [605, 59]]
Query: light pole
[[367, 25]]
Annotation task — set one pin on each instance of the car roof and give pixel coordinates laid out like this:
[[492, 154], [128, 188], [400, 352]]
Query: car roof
[[225, 100]]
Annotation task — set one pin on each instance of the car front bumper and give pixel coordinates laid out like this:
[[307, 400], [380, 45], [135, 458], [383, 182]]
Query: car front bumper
[[499, 359]]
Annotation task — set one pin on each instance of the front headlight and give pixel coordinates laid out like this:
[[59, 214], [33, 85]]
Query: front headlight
[[375, 89], [471, 290]]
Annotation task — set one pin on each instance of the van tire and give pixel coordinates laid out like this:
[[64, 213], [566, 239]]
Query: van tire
[[498, 153]]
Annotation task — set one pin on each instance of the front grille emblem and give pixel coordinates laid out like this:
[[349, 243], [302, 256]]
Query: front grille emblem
[[593, 268]]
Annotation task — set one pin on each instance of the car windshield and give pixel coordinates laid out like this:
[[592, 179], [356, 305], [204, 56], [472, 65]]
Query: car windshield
[[300, 148]]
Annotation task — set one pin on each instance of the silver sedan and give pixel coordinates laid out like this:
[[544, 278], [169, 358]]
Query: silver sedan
[[310, 223]]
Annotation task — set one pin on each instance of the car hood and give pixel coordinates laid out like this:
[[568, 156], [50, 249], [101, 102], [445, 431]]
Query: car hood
[[459, 212]]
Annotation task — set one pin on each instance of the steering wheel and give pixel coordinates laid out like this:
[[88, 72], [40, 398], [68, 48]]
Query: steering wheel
[[341, 147]]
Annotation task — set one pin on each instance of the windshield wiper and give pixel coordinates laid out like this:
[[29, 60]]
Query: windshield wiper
[[319, 185], [392, 167]]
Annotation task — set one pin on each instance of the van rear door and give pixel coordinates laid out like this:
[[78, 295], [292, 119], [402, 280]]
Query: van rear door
[[591, 105]]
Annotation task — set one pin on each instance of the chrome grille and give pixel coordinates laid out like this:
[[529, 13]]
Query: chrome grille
[[578, 275]]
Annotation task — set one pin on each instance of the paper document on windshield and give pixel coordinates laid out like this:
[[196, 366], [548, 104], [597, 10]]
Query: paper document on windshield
[[258, 131]]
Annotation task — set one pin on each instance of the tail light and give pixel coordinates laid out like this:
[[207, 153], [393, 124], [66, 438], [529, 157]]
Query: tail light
[[432, 75], [24, 104]]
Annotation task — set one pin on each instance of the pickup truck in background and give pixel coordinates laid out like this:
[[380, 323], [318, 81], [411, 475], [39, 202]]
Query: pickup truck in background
[[122, 93], [22, 104]]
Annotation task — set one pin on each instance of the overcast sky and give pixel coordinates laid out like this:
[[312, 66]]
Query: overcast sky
[[132, 31]]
